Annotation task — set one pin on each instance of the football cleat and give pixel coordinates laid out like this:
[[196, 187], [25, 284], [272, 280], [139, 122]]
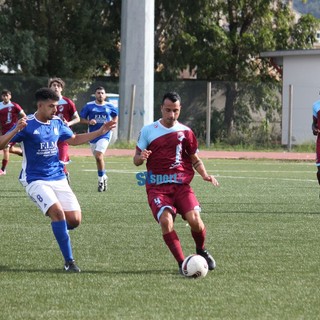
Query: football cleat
[[103, 184], [211, 262], [2, 172], [71, 266]]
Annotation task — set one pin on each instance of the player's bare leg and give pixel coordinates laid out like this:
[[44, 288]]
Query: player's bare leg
[[15, 150], [5, 161]]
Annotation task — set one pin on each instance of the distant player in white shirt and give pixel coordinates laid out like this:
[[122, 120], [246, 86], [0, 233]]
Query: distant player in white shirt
[[42, 173]]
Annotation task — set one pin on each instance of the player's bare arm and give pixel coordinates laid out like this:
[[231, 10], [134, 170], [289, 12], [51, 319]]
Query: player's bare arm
[[75, 119], [200, 168], [141, 156], [85, 137], [90, 122], [5, 139], [22, 114]]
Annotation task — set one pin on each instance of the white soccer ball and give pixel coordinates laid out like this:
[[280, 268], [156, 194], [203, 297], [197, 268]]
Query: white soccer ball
[[195, 266]]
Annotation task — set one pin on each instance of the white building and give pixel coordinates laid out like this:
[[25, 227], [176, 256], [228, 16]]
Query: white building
[[300, 89]]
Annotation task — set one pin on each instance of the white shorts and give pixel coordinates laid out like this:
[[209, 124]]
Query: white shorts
[[46, 193], [100, 146]]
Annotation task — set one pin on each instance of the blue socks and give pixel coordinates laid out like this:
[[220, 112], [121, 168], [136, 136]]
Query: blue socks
[[101, 173], [60, 231]]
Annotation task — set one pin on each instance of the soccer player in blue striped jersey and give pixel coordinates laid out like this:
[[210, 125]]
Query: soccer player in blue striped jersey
[[42, 173], [94, 114]]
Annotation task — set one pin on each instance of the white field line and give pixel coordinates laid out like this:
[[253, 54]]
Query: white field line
[[224, 176]]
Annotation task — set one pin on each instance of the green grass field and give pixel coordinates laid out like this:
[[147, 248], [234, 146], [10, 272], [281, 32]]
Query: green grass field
[[262, 228]]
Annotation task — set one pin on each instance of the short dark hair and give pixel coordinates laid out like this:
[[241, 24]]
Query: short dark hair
[[57, 80], [172, 96], [99, 88], [5, 91], [44, 94]]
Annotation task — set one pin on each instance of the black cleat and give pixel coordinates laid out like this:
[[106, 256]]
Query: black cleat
[[71, 266], [204, 253], [180, 268]]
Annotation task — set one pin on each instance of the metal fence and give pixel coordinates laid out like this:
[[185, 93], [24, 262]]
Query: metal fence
[[255, 108]]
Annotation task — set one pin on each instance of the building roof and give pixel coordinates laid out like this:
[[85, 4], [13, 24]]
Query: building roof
[[278, 55]]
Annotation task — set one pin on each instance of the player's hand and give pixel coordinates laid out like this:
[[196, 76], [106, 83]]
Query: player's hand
[[21, 124], [64, 121], [107, 126], [92, 122], [144, 155], [211, 179]]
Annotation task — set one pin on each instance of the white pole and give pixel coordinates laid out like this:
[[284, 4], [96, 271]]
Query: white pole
[[208, 117], [133, 95], [290, 116]]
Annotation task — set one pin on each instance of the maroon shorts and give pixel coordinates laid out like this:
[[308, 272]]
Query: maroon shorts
[[11, 144], [178, 198], [63, 151]]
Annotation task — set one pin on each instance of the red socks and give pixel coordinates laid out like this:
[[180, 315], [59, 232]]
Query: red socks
[[199, 238], [4, 164], [172, 241]]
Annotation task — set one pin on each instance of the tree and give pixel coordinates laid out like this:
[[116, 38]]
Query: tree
[[71, 38], [222, 40]]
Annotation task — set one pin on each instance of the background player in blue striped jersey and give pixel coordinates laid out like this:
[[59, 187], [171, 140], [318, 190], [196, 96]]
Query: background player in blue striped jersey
[[94, 114], [42, 173]]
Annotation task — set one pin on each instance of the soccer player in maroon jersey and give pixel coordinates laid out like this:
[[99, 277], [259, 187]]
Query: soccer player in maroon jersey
[[170, 151], [10, 112], [316, 131], [68, 113]]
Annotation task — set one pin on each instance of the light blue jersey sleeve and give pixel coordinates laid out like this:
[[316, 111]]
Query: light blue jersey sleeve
[[316, 108], [143, 140]]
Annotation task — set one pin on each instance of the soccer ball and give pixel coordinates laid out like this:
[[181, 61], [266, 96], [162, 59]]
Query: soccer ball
[[194, 266]]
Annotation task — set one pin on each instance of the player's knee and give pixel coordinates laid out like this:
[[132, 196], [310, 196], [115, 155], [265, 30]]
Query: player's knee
[[166, 222], [74, 220], [194, 220]]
